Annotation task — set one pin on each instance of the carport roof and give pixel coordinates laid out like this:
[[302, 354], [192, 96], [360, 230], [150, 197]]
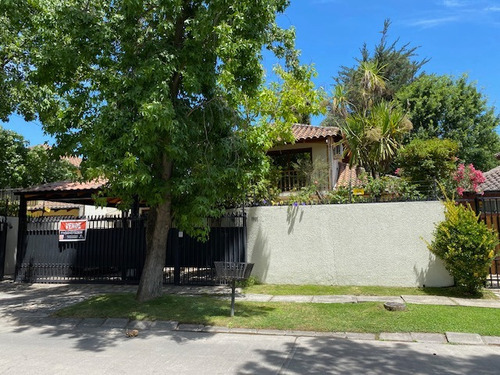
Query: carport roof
[[66, 191]]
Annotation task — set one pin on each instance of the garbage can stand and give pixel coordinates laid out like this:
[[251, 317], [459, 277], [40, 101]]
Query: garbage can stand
[[232, 272]]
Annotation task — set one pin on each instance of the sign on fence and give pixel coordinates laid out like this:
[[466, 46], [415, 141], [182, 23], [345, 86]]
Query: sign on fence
[[72, 230]]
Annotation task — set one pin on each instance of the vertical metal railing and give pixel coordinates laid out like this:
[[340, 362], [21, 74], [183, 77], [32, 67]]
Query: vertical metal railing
[[488, 209], [114, 252]]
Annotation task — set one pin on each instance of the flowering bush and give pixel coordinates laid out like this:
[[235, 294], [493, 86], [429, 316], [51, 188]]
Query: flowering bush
[[468, 179]]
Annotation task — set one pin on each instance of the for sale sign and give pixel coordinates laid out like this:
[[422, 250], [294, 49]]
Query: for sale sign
[[72, 230]]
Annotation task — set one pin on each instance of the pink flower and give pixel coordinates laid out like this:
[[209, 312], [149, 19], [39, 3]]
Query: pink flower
[[398, 171], [468, 178]]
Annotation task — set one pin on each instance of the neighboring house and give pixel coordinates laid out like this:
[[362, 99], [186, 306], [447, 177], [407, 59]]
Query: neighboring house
[[319, 145], [491, 187], [65, 198]]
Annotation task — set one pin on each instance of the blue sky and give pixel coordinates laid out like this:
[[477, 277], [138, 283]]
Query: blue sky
[[459, 36]]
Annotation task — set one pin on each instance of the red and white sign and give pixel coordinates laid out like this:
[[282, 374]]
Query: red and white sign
[[72, 230]]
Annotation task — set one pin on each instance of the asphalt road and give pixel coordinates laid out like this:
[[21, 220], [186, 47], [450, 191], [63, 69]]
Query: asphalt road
[[89, 351]]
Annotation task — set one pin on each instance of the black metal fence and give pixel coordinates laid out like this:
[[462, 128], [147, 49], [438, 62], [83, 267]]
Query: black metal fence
[[488, 209], [115, 248], [4, 226], [190, 261]]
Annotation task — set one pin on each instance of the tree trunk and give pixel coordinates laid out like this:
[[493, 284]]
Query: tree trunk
[[159, 223]]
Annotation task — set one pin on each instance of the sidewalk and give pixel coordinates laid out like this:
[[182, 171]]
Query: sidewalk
[[25, 305]]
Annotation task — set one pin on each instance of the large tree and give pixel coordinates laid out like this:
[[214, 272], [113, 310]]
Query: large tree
[[377, 76], [23, 166], [427, 163], [156, 94], [453, 108]]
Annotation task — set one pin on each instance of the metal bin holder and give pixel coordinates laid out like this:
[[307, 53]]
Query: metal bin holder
[[232, 272]]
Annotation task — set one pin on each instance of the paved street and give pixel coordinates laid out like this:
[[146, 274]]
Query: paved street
[[31, 342], [45, 350]]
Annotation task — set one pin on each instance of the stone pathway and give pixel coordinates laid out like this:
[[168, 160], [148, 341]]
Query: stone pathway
[[26, 305]]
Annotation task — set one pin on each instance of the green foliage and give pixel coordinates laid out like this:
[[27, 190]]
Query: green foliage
[[446, 107], [8, 208], [43, 166], [326, 317], [376, 77], [282, 103], [389, 188], [466, 246], [161, 96], [22, 166], [372, 140], [14, 153], [428, 163], [247, 283], [340, 195], [314, 173]]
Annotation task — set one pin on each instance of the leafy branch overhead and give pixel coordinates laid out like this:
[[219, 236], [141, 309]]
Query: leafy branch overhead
[[158, 95]]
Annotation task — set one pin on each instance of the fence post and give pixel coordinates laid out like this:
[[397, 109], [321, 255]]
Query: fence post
[[21, 235], [177, 260], [350, 189]]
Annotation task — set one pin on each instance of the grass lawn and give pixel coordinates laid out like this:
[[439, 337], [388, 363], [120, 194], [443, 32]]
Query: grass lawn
[[360, 317], [315, 290]]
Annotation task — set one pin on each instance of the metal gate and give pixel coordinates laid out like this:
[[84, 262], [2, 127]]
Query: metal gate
[[115, 249], [488, 209], [190, 261], [3, 244]]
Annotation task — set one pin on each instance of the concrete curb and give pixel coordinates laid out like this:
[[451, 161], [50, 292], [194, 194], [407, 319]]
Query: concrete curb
[[89, 325]]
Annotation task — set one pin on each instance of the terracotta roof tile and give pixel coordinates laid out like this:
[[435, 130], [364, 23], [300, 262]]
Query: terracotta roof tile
[[66, 186], [308, 132], [73, 160], [492, 180]]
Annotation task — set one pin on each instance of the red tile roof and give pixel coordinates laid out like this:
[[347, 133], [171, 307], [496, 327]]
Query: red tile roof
[[309, 132], [492, 180], [66, 186]]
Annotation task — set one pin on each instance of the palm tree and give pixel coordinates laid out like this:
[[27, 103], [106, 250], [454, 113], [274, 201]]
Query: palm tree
[[371, 82], [371, 140]]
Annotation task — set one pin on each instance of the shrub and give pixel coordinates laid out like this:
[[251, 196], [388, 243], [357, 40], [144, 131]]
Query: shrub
[[425, 162], [389, 188], [466, 245], [251, 281]]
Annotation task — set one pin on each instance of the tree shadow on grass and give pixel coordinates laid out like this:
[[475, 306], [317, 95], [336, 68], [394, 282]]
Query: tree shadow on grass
[[99, 333]]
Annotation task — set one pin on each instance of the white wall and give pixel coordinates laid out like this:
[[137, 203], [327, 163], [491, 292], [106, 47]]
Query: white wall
[[354, 244], [89, 210]]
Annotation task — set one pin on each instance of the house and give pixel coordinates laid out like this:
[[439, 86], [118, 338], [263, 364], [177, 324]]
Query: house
[[65, 198], [321, 146], [491, 187]]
